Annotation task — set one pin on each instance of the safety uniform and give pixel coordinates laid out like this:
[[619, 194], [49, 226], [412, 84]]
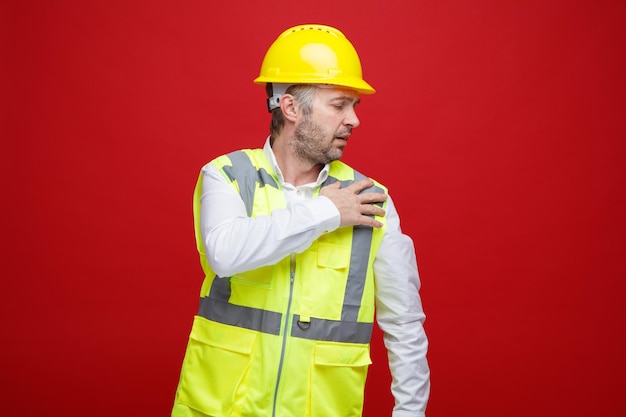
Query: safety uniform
[[285, 340], [292, 339]]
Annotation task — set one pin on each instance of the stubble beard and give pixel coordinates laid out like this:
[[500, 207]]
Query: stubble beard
[[312, 145]]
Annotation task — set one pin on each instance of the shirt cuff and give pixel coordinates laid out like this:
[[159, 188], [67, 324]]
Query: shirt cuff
[[324, 214]]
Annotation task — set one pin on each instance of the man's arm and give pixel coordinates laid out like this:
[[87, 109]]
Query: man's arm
[[400, 316], [236, 243]]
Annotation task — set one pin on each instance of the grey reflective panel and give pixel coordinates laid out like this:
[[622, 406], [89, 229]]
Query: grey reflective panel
[[247, 176], [220, 289], [332, 330], [332, 180], [234, 315], [373, 189], [359, 259]]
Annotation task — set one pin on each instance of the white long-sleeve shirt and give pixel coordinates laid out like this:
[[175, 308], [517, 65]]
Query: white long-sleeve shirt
[[237, 243]]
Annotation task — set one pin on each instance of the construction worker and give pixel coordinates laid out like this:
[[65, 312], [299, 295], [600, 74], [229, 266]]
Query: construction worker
[[301, 253]]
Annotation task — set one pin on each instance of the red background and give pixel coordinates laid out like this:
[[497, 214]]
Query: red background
[[498, 127]]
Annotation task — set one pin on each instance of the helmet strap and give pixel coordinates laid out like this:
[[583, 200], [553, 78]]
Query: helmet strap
[[275, 91]]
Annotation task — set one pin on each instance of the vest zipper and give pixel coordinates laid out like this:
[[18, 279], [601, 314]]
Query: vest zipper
[[292, 273]]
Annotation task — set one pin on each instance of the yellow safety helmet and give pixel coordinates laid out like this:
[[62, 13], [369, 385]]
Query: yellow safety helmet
[[313, 54]]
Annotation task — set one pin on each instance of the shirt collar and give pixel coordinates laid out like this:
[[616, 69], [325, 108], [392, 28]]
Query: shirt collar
[[269, 155]]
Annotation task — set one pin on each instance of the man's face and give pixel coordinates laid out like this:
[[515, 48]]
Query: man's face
[[321, 136]]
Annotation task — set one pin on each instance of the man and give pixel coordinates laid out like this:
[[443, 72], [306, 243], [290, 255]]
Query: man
[[299, 249]]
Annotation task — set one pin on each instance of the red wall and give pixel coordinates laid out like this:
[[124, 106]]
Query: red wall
[[498, 127]]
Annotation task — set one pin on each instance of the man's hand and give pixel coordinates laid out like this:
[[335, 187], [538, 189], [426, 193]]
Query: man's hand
[[355, 208]]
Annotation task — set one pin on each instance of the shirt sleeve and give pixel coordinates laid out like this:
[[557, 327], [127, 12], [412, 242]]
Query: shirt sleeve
[[236, 243], [400, 316]]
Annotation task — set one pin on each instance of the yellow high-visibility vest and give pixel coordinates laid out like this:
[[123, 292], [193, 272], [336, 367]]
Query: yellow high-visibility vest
[[286, 340]]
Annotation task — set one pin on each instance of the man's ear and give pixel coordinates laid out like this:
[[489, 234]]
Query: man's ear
[[288, 107]]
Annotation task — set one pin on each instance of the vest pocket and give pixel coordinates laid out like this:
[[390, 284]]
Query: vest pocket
[[333, 256], [338, 379], [215, 368]]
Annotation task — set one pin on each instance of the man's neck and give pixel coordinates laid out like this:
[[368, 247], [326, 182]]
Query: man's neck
[[295, 170]]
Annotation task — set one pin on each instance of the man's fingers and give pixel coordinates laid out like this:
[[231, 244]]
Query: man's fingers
[[372, 197], [372, 210], [355, 207], [369, 197], [360, 185], [370, 221]]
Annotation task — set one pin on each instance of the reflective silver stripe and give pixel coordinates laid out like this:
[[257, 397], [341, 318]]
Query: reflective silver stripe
[[359, 257], [332, 330], [243, 171], [220, 289], [216, 307]]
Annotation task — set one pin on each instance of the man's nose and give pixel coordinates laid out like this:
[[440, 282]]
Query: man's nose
[[351, 119]]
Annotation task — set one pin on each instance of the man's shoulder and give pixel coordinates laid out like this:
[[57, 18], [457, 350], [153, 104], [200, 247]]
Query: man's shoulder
[[340, 168]]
